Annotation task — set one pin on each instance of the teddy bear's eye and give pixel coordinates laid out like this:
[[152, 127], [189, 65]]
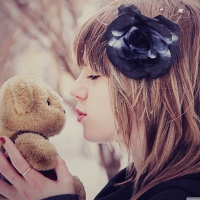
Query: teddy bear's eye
[[48, 102]]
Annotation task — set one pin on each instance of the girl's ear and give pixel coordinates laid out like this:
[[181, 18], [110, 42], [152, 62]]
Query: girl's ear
[[22, 95]]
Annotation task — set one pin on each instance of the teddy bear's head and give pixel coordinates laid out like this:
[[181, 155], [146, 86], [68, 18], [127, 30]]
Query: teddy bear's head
[[28, 104]]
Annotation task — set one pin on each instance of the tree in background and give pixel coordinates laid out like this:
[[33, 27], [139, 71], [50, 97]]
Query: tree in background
[[48, 24]]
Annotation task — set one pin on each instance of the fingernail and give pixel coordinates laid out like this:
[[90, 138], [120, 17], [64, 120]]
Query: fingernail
[[3, 140], [5, 155]]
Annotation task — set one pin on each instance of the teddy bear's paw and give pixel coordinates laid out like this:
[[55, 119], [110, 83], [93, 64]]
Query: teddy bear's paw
[[39, 152], [79, 188]]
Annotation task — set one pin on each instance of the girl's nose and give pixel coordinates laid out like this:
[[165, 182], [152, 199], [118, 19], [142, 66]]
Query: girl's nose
[[78, 91]]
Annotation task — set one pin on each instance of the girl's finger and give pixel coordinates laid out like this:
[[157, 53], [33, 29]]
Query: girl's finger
[[17, 159], [61, 169], [6, 190], [63, 175], [9, 172], [30, 177]]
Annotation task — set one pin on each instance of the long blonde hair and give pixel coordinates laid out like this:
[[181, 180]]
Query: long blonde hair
[[170, 104]]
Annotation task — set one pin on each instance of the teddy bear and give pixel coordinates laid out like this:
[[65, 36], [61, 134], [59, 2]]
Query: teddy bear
[[30, 113]]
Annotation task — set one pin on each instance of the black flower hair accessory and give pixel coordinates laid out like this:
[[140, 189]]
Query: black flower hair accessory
[[140, 46]]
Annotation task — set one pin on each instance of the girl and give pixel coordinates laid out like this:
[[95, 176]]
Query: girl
[[139, 87]]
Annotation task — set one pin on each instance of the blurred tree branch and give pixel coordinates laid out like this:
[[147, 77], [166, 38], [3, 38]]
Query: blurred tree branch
[[43, 22], [109, 159]]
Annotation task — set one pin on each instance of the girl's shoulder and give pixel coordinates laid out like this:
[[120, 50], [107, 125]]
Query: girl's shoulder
[[175, 189]]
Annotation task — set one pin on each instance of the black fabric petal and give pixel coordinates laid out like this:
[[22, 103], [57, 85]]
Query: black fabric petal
[[159, 28], [143, 19], [174, 49], [171, 26], [130, 68], [160, 67], [130, 9], [122, 50], [159, 45], [122, 23]]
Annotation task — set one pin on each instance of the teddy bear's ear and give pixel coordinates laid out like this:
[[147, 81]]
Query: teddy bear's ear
[[23, 95]]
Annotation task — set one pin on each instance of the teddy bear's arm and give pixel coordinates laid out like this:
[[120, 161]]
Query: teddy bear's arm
[[39, 152], [79, 188]]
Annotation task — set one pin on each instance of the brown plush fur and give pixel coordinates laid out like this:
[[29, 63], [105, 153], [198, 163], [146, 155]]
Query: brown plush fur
[[29, 106]]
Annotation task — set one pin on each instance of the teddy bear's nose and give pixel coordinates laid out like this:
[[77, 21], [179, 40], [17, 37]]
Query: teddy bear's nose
[[64, 111]]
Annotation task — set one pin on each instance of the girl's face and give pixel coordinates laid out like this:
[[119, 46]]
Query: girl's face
[[93, 107]]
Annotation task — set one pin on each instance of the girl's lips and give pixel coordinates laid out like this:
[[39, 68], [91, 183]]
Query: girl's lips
[[80, 116]]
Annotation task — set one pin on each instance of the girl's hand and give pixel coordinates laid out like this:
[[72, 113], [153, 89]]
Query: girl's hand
[[32, 185]]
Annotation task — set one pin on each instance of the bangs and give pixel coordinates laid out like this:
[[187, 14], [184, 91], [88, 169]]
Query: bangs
[[89, 45]]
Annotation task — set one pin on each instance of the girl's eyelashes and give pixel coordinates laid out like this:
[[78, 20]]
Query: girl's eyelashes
[[93, 77]]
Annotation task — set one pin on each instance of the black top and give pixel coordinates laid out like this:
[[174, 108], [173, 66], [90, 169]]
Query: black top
[[116, 192], [63, 197], [177, 189]]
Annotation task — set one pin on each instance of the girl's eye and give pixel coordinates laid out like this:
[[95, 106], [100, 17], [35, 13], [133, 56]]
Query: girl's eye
[[93, 77]]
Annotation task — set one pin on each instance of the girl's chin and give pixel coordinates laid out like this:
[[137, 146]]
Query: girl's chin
[[92, 138]]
